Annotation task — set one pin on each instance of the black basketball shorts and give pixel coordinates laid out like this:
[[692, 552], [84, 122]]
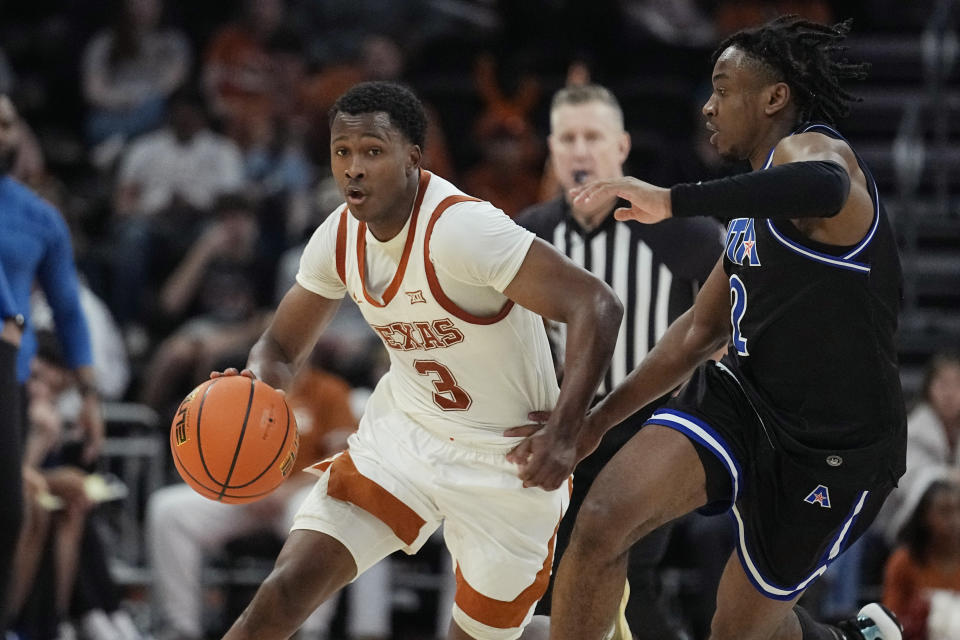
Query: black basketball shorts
[[793, 513]]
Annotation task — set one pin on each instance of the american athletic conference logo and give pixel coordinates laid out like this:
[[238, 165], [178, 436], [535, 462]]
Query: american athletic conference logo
[[742, 242]]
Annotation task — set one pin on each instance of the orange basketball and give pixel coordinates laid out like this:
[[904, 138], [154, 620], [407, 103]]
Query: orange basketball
[[234, 439]]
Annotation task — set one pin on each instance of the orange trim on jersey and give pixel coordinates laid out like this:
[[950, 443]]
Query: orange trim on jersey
[[435, 287], [346, 483], [342, 246], [394, 286], [501, 614]]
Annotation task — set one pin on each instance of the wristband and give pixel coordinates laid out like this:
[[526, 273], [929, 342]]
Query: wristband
[[809, 189]]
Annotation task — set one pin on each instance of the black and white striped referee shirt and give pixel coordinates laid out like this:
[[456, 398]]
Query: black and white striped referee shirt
[[655, 270]]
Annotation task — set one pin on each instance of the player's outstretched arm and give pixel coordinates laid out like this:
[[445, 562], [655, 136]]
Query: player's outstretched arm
[[691, 339], [553, 286], [287, 341]]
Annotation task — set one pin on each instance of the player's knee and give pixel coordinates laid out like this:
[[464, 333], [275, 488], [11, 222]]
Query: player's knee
[[599, 527]]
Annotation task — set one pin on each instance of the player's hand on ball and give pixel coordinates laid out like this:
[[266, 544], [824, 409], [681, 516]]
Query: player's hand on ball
[[648, 203], [232, 371]]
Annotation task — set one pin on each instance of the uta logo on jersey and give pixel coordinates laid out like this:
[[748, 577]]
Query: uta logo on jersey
[[819, 496], [742, 242]]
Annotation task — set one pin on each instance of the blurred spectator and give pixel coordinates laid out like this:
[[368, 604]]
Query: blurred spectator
[[922, 579], [185, 163], [129, 70], [62, 576], [183, 526], [243, 77], [221, 289], [509, 171], [167, 181], [275, 163], [933, 435], [379, 57], [111, 364]]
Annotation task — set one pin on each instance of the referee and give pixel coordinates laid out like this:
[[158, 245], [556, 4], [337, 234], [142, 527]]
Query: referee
[[655, 270]]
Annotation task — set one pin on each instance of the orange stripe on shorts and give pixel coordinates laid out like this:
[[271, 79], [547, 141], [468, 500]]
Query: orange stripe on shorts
[[349, 485], [501, 614]]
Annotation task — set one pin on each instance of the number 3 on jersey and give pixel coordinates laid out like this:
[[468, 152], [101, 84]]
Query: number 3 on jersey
[[738, 307], [447, 395]]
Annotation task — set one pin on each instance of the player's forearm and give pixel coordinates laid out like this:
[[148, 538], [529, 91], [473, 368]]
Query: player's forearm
[[670, 363], [270, 362], [591, 337]]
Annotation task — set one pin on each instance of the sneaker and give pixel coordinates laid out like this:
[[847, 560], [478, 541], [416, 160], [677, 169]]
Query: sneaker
[[621, 629], [874, 622]]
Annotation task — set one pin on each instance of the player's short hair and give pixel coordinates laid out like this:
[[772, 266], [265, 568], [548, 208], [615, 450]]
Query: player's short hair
[[808, 57], [405, 110], [585, 93]]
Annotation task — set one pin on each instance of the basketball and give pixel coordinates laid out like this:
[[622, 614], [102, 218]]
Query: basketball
[[234, 439]]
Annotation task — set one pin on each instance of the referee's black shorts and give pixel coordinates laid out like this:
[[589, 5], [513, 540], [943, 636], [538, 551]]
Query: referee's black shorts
[[793, 512]]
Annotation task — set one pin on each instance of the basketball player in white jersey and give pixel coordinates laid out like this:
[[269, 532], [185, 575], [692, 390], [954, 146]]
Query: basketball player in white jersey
[[455, 289]]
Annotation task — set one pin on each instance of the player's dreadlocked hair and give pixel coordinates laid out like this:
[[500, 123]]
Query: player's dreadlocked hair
[[805, 55]]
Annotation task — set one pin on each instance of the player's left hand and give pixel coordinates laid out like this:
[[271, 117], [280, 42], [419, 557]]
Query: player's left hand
[[649, 203], [590, 436]]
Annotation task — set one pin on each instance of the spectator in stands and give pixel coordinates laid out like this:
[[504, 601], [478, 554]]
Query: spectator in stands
[[218, 293], [241, 74], [508, 173], [166, 182], [933, 440], [379, 57], [274, 162], [111, 363], [129, 70], [183, 526], [184, 164], [922, 578], [61, 574]]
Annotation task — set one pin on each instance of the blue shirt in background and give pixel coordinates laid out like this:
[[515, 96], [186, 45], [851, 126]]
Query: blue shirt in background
[[35, 246], [8, 307]]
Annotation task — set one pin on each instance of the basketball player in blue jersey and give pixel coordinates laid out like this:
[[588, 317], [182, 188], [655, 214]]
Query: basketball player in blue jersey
[[799, 430]]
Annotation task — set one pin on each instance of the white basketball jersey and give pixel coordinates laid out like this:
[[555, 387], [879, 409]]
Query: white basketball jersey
[[462, 376]]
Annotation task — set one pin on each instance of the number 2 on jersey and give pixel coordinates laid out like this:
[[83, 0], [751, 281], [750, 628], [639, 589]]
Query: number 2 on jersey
[[738, 307], [447, 395]]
